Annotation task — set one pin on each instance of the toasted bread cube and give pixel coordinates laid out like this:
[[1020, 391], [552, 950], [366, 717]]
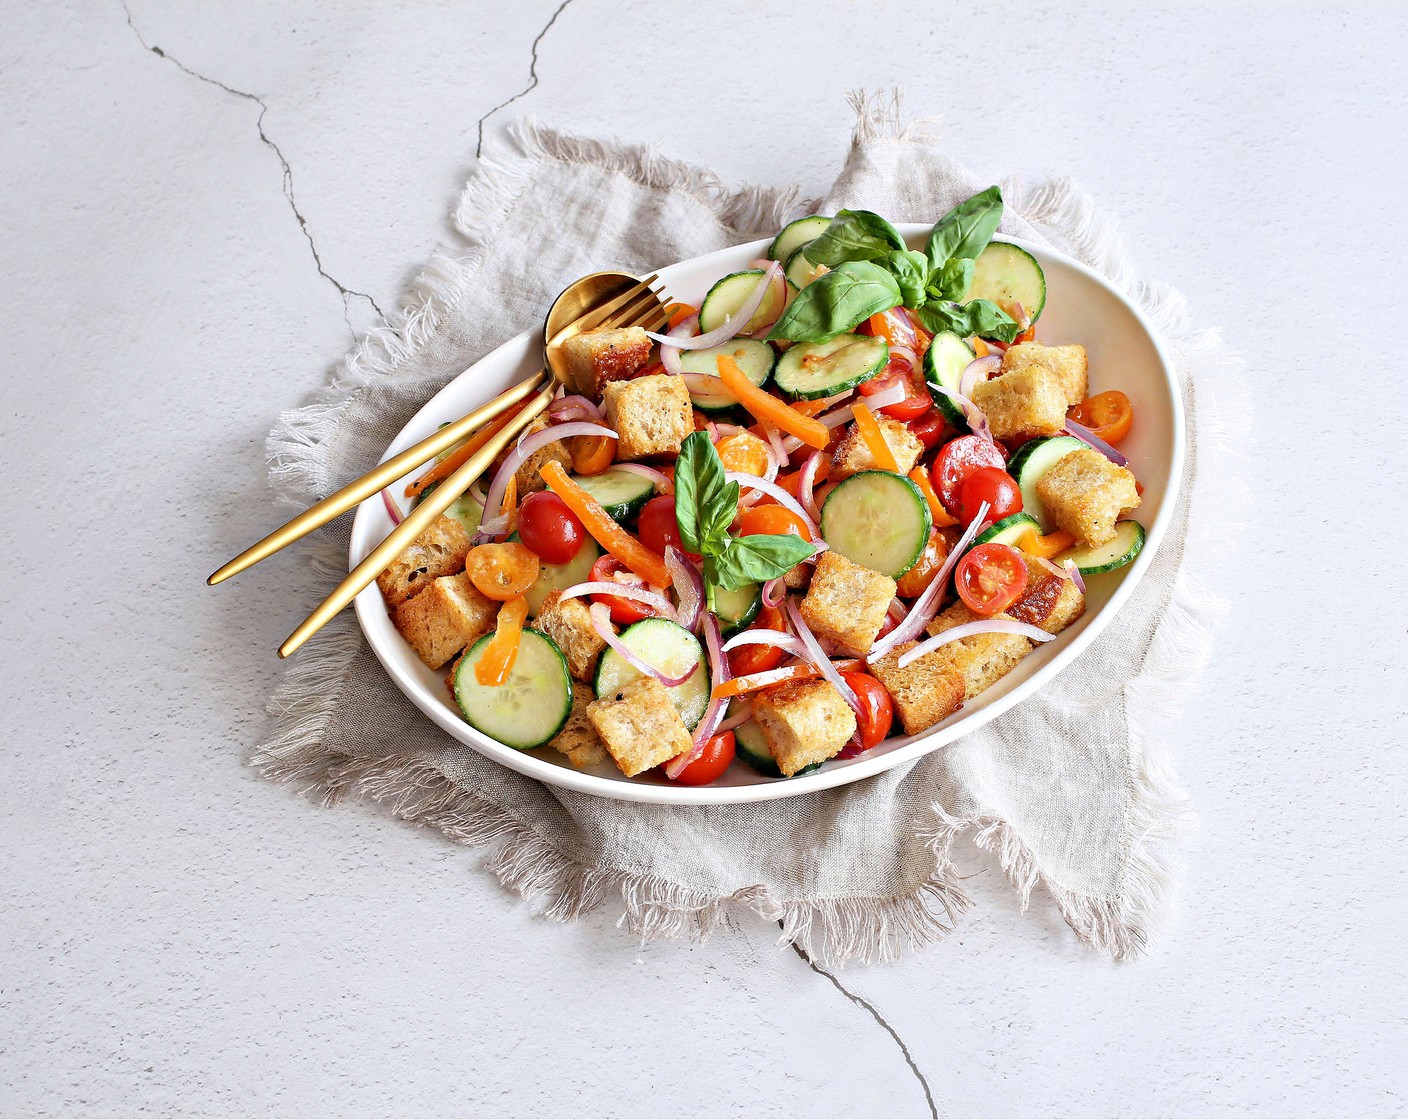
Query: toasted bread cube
[[797, 577], [578, 739], [568, 622], [439, 551], [846, 602], [527, 476], [651, 415], [444, 618], [1049, 601], [981, 660], [595, 358], [1086, 494], [1068, 363], [640, 726], [925, 691], [852, 454], [1024, 404], [804, 722]]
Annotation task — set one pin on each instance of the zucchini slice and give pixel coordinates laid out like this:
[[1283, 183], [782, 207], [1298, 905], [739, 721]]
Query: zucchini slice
[[670, 648], [944, 362], [819, 369], [1032, 460], [1006, 275], [794, 235], [728, 295], [622, 494], [879, 520], [1128, 543], [756, 359], [531, 706]]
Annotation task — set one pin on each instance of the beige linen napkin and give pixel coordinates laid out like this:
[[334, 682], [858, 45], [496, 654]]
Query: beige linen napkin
[[1071, 789]]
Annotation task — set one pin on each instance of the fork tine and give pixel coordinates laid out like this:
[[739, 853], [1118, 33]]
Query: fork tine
[[645, 307], [599, 315]]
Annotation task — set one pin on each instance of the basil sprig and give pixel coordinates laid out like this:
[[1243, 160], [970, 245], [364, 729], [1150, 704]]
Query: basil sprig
[[705, 506], [871, 270]]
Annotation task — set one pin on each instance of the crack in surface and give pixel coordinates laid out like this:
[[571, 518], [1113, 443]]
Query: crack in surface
[[874, 1014], [345, 292], [532, 79]]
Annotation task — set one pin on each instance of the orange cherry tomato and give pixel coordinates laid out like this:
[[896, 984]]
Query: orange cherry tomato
[[714, 760], [1109, 415], [745, 453], [496, 662], [991, 578], [773, 519], [747, 660], [592, 454], [915, 581], [502, 571]]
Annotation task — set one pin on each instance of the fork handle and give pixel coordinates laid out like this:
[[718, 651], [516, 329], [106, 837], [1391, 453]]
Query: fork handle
[[378, 478], [417, 521]]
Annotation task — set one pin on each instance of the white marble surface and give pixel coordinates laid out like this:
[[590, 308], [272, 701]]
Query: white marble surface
[[184, 259]]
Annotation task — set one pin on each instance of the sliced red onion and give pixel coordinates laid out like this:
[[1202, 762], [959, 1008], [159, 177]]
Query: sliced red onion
[[392, 510], [777, 493], [728, 429], [779, 453], [890, 394], [476, 493], [652, 599], [760, 262], [1020, 314], [732, 325], [1074, 569], [835, 399], [670, 354], [718, 705], [762, 636], [738, 719], [1069, 572], [806, 485], [774, 591], [897, 610], [979, 369], [688, 585], [496, 524], [968, 630], [817, 656], [907, 355], [601, 623], [662, 481], [927, 605], [699, 382], [1080, 431], [574, 407], [975, 417]]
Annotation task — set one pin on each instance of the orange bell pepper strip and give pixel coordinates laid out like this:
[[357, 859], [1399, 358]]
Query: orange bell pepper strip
[[459, 457], [739, 685], [869, 431], [981, 349], [765, 406], [496, 662], [1051, 545], [678, 313], [608, 534], [942, 518]]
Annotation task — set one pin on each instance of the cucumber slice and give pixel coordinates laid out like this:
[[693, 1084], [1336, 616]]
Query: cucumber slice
[[799, 271], [1128, 543], [1006, 275], [1032, 460], [877, 519], [754, 358], [794, 235], [819, 369], [752, 747], [554, 577], [944, 362], [463, 509], [1007, 531], [621, 493], [531, 706], [736, 609], [670, 648], [728, 295]]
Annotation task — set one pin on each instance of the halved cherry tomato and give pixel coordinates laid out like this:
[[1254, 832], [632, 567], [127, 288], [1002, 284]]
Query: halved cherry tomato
[[915, 581], [592, 454], [994, 486], [991, 578], [744, 452], [502, 571], [717, 754], [771, 519], [877, 710], [658, 527], [916, 401], [747, 660], [956, 460], [928, 427], [549, 528], [623, 611], [1109, 415]]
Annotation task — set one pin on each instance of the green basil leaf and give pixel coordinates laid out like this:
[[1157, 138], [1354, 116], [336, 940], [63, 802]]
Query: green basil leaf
[[837, 301], [979, 317], [758, 558], [701, 494], [910, 269], [966, 229], [854, 235], [955, 278]]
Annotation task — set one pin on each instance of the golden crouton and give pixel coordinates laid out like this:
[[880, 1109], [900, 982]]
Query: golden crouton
[[578, 739], [529, 481], [640, 726], [595, 358], [846, 602], [797, 577], [651, 415], [1024, 404], [925, 691], [1048, 601], [439, 551], [1086, 494], [1068, 363], [803, 722], [852, 454], [569, 623], [981, 660], [448, 615]]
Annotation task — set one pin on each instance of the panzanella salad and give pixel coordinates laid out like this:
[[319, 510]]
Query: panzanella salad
[[837, 499]]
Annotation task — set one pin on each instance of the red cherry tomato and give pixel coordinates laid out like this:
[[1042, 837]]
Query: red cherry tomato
[[771, 519], [956, 460], [658, 528], [877, 711], [928, 427], [549, 528], [916, 401], [994, 486], [623, 611], [991, 578], [718, 753], [747, 660]]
